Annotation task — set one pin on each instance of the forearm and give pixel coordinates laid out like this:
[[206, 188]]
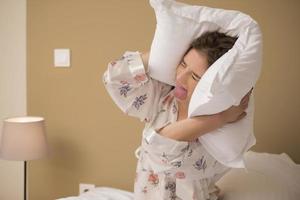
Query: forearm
[[191, 128]]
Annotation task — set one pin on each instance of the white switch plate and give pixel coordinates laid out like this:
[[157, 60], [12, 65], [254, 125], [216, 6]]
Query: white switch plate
[[62, 57], [84, 187]]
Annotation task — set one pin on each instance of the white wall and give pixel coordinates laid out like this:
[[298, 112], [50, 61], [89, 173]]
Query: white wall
[[12, 86]]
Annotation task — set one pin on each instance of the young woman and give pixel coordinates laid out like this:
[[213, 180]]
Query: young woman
[[172, 162]]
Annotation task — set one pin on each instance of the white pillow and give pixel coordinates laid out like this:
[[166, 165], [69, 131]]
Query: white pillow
[[225, 82], [268, 177]]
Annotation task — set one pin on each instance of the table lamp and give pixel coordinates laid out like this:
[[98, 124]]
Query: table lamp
[[23, 139]]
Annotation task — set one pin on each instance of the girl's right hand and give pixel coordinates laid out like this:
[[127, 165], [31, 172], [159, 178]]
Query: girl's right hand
[[236, 113]]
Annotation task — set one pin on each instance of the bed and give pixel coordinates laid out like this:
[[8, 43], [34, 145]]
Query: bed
[[268, 177]]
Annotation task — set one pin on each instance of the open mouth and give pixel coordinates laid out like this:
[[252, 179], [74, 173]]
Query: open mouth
[[180, 92]]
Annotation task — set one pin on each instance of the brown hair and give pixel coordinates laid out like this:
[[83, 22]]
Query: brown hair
[[213, 44]]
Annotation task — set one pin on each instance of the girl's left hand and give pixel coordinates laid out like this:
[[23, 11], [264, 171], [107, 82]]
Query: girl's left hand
[[236, 113]]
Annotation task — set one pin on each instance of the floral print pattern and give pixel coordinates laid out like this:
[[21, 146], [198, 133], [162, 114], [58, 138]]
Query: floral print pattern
[[171, 188], [180, 161], [144, 190], [124, 90], [153, 178], [180, 175], [200, 164], [174, 109], [139, 101], [176, 163], [140, 78], [113, 63]]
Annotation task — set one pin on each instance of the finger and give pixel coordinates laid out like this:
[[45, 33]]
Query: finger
[[246, 106], [245, 100], [245, 103], [251, 90], [241, 116], [247, 96]]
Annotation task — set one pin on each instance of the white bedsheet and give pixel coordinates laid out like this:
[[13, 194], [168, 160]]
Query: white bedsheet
[[269, 177], [103, 193]]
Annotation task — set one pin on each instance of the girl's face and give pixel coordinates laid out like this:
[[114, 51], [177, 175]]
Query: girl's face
[[188, 73]]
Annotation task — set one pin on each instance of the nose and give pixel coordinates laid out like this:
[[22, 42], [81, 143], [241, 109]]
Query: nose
[[181, 76]]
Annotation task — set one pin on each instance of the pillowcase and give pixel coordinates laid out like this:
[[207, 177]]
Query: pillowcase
[[225, 82], [268, 177]]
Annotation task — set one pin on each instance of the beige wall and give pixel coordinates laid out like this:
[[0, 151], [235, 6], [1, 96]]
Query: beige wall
[[92, 141], [12, 87]]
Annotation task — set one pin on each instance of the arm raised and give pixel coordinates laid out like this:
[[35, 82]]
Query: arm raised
[[190, 129]]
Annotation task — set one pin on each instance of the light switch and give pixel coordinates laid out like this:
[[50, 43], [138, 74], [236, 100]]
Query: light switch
[[62, 57]]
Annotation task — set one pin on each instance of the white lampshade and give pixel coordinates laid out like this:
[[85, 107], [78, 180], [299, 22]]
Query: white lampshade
[[23, 138]]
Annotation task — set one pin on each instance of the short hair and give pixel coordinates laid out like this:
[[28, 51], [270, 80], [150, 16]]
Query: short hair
[[213, 44]]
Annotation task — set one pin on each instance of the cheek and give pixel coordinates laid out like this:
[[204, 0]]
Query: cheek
[[176, 74], [192, 86], [178, 70]]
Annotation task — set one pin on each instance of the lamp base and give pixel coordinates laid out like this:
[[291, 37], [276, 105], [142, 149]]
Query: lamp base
[[25, 180]]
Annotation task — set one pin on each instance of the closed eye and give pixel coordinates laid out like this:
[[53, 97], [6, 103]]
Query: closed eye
[[183, 64], [195, 77]]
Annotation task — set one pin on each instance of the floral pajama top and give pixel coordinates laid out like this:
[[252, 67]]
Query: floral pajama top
[[167, 169]]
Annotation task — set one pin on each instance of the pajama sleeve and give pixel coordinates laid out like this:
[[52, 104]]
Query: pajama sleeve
[[133, 91]]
